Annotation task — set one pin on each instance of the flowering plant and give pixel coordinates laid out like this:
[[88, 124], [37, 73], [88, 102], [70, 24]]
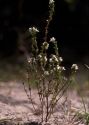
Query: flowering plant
[[47, 71]]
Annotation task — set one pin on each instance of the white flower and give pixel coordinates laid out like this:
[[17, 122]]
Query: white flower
[[50, 60], [61, 59], [63, 68], [54, 58], [39, 56], [29, 60], [46, 73], [58, 67], [45, 58], [33, 29], [51, 1], [74, 66], [45, 45], [53, 40]]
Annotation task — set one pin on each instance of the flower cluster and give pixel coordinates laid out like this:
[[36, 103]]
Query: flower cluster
[[33, 31], [53, 58], [51, 1], [60, 59], [42, 58], [51, 6], [53, 40], [45, 45], [59, 68], [74, 67], [55, 64], [31, 60]]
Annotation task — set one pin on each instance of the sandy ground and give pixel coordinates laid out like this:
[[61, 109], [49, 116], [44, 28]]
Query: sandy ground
[[15, 105]]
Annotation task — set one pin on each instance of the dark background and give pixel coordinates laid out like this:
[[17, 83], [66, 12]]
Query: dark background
[[70, 26]]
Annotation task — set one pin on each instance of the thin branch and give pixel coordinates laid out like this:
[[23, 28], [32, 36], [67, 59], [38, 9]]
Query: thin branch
[[29, 97]]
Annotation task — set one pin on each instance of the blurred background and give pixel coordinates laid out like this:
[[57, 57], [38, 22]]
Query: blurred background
[[70, 26]]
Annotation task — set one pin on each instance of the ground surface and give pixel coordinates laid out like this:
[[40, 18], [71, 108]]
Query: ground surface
[[14, 105]]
